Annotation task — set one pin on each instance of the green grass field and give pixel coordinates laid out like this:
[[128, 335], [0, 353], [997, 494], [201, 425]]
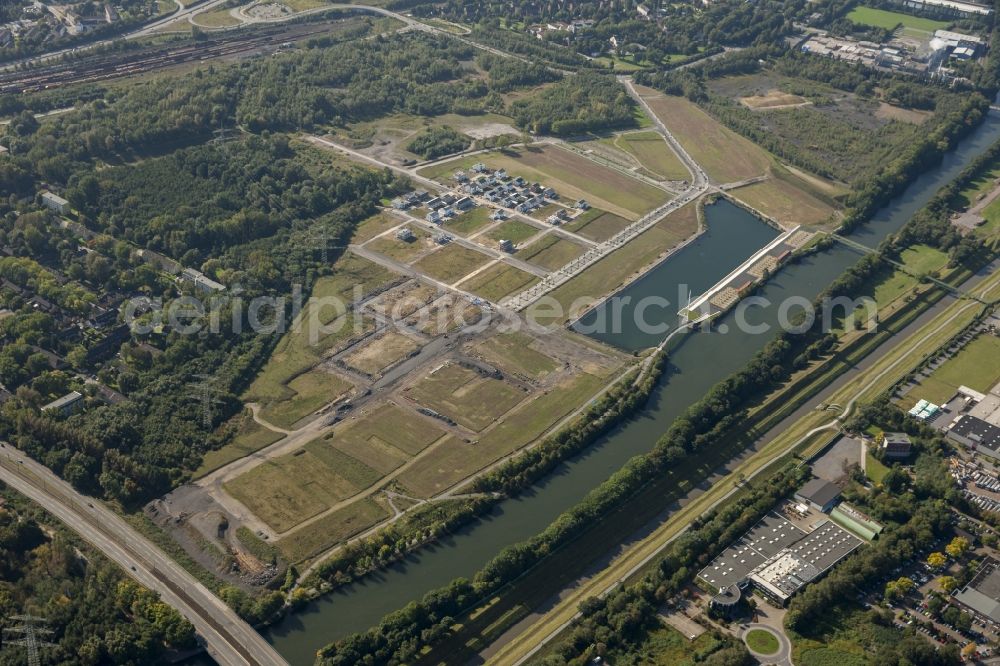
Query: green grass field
[[451, 262], [310, 391], [726, 156], [289, 489], [302, 347], [572, 176], [401, 250], [975, 366], [373, 226], [516, 231], [249, 437], [498, 281], [466, 396], [331, 529], [989, 230], [596, 225], [762, 642], [786, 203], [455, 460], [218, 18], [551, 252], [881, 18], [469, 222], [653, 153]]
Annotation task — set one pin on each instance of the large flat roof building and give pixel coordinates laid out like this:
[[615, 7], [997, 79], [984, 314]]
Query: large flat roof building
[[982, 594], [976, 433], [788, 571], [778, 558], [765, 539]]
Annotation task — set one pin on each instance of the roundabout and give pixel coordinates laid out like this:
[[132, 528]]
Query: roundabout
[[767, 645]]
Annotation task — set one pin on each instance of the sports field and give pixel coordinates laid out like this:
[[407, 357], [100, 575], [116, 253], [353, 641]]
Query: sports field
[[471, 399], [551, 252], [619, 267], [451, 262], [975, 366], [498, 281], [880, 18], [726, 156], [569, 174]]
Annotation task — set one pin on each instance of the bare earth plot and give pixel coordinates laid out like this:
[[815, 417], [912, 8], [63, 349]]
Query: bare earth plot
[[467, 396], [773, 99], [726, 156], [498, 281], [382, 353], [623, 265]]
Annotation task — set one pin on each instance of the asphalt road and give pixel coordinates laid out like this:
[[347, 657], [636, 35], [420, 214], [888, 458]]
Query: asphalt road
[[229, 640]]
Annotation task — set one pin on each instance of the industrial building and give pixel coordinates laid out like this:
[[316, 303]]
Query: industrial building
[[819, 494], [778, 559], [982, 594]]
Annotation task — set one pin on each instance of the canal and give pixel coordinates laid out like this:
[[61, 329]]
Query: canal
[[697, 363]]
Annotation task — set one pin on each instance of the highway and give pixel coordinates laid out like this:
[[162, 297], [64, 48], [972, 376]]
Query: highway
[[228, 639]]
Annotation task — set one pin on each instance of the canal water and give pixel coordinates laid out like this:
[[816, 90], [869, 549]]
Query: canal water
[[698, 362]]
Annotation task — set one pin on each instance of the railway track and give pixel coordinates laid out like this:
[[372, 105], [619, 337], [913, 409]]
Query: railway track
[[103, 67]]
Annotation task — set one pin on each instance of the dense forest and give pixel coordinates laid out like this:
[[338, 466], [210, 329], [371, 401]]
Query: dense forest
[[582, 103], [436, 142], [97, 614]]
